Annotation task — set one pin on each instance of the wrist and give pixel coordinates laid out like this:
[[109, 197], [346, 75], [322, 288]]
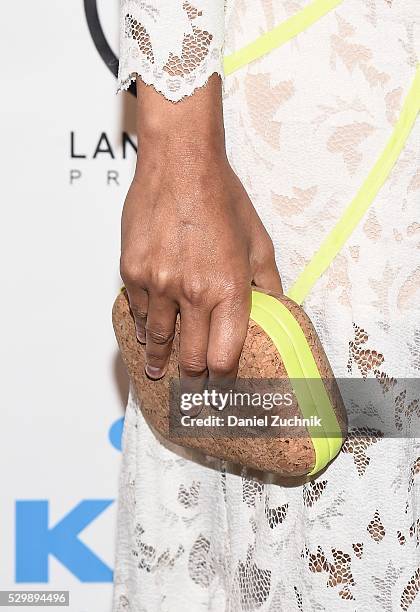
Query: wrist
[[183, 145], [181, 165], [190, 128]]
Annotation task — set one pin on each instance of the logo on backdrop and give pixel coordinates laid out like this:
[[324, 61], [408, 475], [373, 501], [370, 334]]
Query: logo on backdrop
[[109, 149], [37, 540], [100, 41]]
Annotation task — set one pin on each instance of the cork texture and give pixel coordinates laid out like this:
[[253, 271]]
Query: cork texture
[[292, 454]]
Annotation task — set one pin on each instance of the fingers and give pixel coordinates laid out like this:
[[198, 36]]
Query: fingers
[[139, 304], [160, 329], [194, 337], [268, 277], [228, 329], [263, 263]]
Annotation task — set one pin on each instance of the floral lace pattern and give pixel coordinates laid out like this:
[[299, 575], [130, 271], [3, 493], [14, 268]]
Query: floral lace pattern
[[304, 125], [173, 45]]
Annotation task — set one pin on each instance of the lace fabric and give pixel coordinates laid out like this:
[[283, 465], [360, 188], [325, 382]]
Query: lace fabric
[[173, 45], [303, 128]]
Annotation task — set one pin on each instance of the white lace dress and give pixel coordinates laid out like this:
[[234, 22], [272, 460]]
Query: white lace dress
[[304, 125]]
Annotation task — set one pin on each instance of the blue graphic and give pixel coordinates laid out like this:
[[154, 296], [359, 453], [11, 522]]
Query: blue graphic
[[35, 541], [115, 433]]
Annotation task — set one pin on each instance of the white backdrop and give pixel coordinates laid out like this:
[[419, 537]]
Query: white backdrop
[[63, 387]]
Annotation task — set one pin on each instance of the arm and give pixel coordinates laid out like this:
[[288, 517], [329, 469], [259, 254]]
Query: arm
[[191, 240]]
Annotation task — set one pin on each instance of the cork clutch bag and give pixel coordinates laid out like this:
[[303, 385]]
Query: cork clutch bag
[[281, 344]]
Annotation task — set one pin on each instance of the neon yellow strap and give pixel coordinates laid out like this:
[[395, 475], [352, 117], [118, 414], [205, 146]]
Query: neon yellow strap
[[279, 35], [361, 202], [379, 173], [285, 332]]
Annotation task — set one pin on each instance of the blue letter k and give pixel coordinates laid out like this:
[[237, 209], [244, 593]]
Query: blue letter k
[[35, 541]]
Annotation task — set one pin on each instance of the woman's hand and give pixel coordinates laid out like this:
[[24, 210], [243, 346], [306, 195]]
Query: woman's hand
[[192, 243]]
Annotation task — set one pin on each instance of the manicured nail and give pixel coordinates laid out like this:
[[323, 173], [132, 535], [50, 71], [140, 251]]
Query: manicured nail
[[153, 372]]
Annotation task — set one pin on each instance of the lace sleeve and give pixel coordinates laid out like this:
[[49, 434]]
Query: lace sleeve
[[174, 45]]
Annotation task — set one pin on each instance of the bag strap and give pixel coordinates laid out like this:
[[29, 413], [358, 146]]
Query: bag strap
[[357, 208], [279, 35]]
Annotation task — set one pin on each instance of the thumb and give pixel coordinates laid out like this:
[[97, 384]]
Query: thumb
[[268, 278]]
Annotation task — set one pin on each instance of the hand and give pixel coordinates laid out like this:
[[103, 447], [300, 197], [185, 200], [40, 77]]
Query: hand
[[192, 243]]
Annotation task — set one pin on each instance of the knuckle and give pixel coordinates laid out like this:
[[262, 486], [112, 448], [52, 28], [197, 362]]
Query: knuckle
[[160, 337], [194, 292], [130, 270], [221, 366], [138, 312], [155, 360], [193, 367], [160, 280]]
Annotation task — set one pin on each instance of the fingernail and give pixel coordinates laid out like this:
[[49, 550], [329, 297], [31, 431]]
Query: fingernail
[[192, 412], [141, 336], [153, 372]]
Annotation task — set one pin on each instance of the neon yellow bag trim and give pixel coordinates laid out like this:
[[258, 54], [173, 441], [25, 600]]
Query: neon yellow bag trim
[[290, 341]]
